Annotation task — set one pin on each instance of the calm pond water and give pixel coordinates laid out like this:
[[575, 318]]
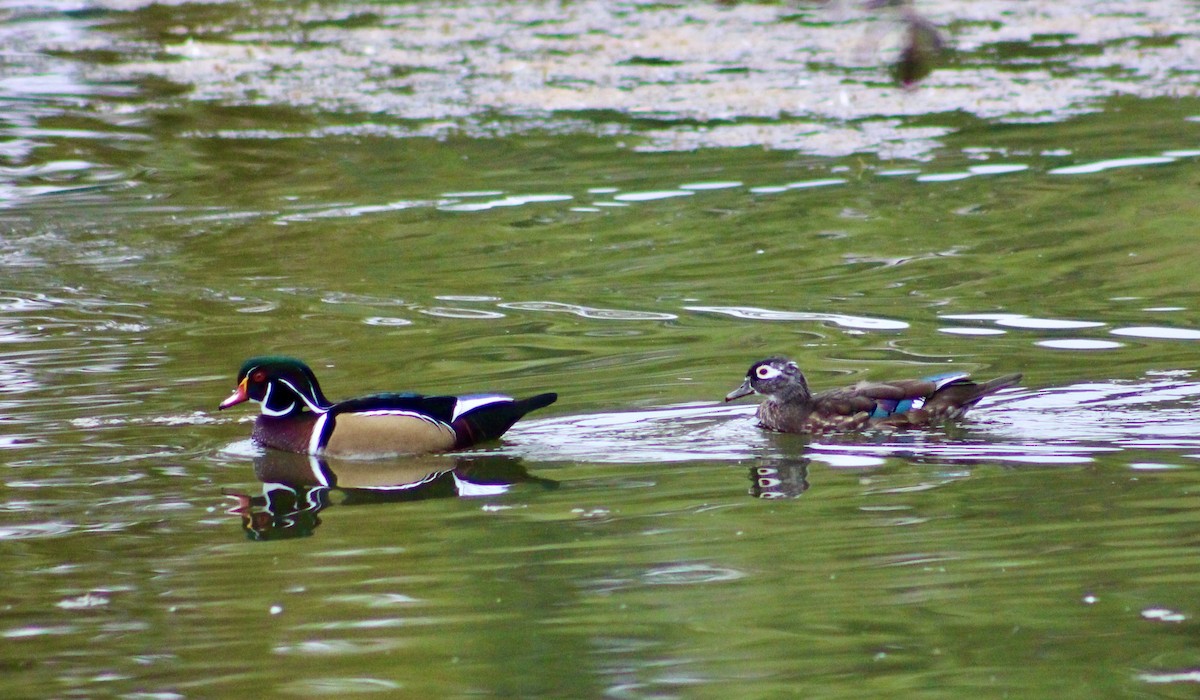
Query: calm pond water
[[626, 203]]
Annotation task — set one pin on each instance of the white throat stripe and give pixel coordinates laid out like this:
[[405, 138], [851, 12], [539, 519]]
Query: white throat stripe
[[271, 412]]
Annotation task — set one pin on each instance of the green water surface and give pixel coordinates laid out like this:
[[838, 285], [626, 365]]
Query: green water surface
[[619, 543]]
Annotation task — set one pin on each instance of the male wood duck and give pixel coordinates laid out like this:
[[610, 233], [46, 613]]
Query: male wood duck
[[908, 403], [297, 417]]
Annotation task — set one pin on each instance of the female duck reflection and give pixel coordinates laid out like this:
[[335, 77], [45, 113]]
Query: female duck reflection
[[296, 488], [786, 478]]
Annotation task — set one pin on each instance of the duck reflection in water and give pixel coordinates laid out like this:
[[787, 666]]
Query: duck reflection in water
[[783, 479], [296, 488]]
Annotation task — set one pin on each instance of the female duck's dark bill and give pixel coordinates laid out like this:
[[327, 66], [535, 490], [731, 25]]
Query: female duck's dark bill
[[239, 395], [743, 390]]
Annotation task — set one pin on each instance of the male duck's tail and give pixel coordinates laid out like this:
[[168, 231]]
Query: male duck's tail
[[492, 420]]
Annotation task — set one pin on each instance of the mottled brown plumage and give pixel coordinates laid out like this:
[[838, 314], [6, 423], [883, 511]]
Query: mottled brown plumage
[[790, 406]]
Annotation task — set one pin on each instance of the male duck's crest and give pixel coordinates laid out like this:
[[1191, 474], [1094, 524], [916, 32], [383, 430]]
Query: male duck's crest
[[792, 408], [295, 415]]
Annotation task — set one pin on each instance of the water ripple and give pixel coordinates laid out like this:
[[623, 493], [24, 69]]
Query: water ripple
[[1102, 165], [337, 647], [466, 297], [386, 321], [1011, 320], [1158, 332], [1163, 615], [471, 194], [1051, 426], [652, 196], [801, 185], [1046, 323], [710, 185], [341, 686], [1079, 344], [954, 330], [351, 211], [943, 177], [35, 530], [689, 574], [510, 201], [668, 575], [997, 168], [757, 314], [849, 455], [363, 299], [454, 312], [1147, 414], [1190, 676], [671, 434], [588, 312]]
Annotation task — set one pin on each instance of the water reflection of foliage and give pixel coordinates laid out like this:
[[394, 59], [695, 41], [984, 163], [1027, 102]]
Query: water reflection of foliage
[[296, 488]]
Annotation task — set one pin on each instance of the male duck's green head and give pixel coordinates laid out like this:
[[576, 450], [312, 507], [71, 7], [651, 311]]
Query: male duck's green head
[[282, 385]]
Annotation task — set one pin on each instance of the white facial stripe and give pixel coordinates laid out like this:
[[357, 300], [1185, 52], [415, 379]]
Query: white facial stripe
[[766, 372], [304, 397]]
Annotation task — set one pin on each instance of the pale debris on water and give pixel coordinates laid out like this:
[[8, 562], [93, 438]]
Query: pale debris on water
[[485, 69]]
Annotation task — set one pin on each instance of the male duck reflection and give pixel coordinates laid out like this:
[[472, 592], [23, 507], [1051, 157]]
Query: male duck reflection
[[908, 403], [297, 488], [297, 417]]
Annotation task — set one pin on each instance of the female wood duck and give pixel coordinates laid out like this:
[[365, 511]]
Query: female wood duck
[[909, 403], [297, 417]]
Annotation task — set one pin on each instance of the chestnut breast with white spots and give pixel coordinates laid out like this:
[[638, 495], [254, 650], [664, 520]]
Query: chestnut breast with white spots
[[291, 433]]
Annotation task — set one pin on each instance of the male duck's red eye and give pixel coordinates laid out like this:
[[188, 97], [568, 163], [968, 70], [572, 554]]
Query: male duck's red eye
[[258, 376]]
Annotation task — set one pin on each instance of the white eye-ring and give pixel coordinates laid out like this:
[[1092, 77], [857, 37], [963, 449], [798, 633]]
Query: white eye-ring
[[767, 372]]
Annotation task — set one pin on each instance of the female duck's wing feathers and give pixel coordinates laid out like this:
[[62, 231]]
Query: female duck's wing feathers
[[881, 399], [939, 396], [960, 394]]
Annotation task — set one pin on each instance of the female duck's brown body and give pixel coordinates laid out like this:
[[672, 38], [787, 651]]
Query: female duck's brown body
[[791, 407]]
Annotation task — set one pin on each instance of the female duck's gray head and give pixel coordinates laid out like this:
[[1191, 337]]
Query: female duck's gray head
[[771, 377]]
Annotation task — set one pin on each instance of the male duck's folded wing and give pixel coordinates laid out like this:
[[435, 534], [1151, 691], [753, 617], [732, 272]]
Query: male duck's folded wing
[[439, 408]]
